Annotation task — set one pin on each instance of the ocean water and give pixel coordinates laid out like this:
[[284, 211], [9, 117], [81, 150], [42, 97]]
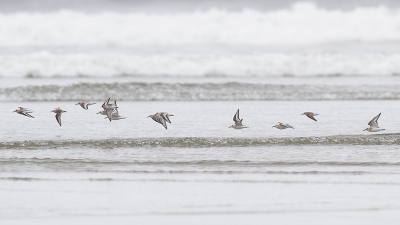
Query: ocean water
[[200, 62]]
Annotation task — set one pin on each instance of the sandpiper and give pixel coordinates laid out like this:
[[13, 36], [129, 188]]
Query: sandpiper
[[58, 113], [238, 122], [23, 111], [282, 126], [159, 119], [373, 125], [85, 105], [310, 115], [109, 108]]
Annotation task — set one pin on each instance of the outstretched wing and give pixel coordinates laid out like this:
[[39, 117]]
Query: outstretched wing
[[27, 114], [311, 116], [162, 121], [374, 122], [58, 118], [236, 118], [84, 105], [165, 117], [105, 103], [109, 113], [116, 110]]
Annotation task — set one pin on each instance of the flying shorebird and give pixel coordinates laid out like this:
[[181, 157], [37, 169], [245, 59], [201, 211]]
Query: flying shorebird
[[24, 111], [58, 113], [109, 108], [238, 122], [84, 105], [373, 125], [310, 115], [159, 119], [282, 126]]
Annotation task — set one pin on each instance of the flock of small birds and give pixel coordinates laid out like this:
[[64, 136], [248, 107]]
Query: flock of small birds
[[373, 124], [111, 111]]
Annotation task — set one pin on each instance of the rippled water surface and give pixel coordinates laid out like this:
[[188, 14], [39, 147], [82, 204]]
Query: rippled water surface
[[200, 61], [198, 167]]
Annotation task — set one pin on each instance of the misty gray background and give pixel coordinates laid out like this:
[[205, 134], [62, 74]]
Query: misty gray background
[[176, 5]]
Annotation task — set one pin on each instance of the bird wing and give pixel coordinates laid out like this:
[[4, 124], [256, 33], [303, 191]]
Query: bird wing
[[115, 103], [84, 105], [160, 119], [374, 122], [163, 122], [236, 118], [27, 114], [58, 118], [109, 113], [311, 116], [105, 103], [165, 117]]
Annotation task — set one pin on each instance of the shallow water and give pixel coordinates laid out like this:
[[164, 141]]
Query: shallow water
[[200, 62], [136, 169], [146, 183]]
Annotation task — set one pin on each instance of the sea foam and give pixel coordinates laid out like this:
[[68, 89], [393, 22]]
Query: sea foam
[[233, 91], [226, 43], [47, 64], [302, 23]]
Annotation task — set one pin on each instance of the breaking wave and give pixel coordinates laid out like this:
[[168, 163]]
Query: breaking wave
[[136, 91], [50, 64], [203, 142], [304, 22]]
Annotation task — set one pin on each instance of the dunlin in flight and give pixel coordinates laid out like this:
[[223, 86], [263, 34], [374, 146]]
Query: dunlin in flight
[[24, 111], [282, 126], [238, 122], [310, 115], [109, 108], [85, 105], [373, 125], [159, 119], [58, 113]]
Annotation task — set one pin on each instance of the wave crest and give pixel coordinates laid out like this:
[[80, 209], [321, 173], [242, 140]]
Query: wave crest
[[295, 25], [204, 142], [48, 64], [137, 91]]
